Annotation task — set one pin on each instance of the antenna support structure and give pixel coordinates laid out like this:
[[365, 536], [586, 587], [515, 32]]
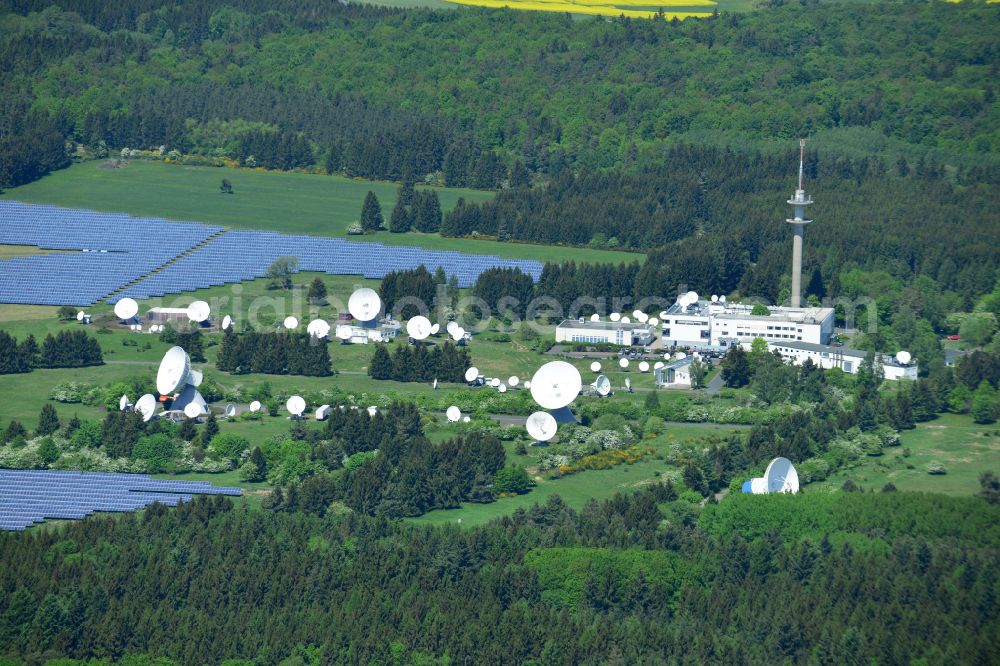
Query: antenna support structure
[[799, 201]]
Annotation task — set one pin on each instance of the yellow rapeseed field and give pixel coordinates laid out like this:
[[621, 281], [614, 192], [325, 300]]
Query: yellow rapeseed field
[[595, 7]]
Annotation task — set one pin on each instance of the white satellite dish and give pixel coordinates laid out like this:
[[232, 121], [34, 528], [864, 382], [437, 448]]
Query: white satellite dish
[[199, 311], [595, 317], [466, 419], [453, 414], [636, 313], [692, 297], [653, 321], [722, 299], [626, 320], [527, 384], [227, 321], [628, 384], [450, 328], [680, 355], [364, 304], [903, 357], [255, 406], [642, 317], [373, 410], [296, 405], [541, 426], [344, 332], [513, 380], [192, 410], [175, 369], [495, 382], [502, 388], [435, 328], [780, 477], [715, 298], [322, 412], [623, 363], [458, 334], [434, 385], [615, 316], [602, 386], [318, 328], [138, 328], [146, 405], [471, 374], [230, 410], [126, 308], [419, 327], [595, 366], [80, 315], [123, 403], [643, 366], [556, 384], [658, 365], [290, 323]]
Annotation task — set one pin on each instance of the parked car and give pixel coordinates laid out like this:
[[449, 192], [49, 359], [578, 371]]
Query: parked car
[[954, 337]]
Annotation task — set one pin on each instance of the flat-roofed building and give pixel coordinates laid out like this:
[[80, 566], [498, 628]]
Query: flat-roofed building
[[848, 360], [676, 373], [719, 324], [605, 332]]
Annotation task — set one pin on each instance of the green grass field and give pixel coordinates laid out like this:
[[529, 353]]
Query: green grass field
[[965, 449], [288, 202]]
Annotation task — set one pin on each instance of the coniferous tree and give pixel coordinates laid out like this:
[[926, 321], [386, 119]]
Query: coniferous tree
[[381, 364], [13, 431], [48, 420], [317, 291], [371, 214], [399, 221]]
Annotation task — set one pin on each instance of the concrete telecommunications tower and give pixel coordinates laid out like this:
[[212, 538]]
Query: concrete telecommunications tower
[[799, 200]]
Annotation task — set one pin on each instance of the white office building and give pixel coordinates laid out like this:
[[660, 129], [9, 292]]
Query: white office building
[[676, 374], [605, 332], [848, 360], [719, 324]]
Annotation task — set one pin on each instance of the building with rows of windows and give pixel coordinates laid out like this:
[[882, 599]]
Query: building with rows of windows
[[605, 332], [720, 324]]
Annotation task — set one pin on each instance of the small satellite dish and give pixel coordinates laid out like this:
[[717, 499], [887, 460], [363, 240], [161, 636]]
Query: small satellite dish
[[623, 363], [495, 382], [642, 317], [628, 384], [138, 328], [556, 384], [722, 299], [146, 405], [903, 357], [318, 328], [373, 410], [595, 317], [453, 413], [198, 311], [364, 304], [344, 332], [458, 334], [435, 328], [230, 410], [692, 297], [435, 384], [471, 374], [175, 369], [643, 366], [192, 410], [715, 298], [527, 383], [615, 316], [595, 366], [653, 321], [290, 323], [123, 403], [680, 355], [255, 406], [80, 315], [602, 385], [637, 313], [452, 325], [227, 322], [466, 419], [626, 320], [541, 426], [322, 412], [658, 365], [419, 327], [295, 405], [513, 380], [126, 308], [502, 388]]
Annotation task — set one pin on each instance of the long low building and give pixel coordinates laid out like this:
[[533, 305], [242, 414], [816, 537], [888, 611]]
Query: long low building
[[848, 360], [719, 324], [605, 332]]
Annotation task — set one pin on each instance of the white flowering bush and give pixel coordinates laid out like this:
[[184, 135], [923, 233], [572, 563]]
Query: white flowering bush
[[605, 439]]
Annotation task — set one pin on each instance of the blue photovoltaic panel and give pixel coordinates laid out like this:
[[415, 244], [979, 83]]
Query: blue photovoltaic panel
[[30, 496], [108, 251]]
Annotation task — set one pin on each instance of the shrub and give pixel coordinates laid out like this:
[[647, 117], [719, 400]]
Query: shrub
[[512, 479], [934, 467]]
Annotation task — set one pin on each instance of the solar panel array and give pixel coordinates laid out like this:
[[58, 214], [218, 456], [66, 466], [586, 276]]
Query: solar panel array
[[245, 255], [28, 497], [108, 251], [113, 250]]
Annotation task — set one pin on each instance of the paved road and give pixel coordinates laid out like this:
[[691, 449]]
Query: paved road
[[715, 385]]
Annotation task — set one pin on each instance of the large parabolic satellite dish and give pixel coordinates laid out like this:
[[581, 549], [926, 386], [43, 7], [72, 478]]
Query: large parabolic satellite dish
[[199, 311], [126, 308], [453, 413], [418, 328], [556, 384], [175, 369], [146, 405], [780, 477], [364, 304], [295, 405], [541, 426], [318, 328]]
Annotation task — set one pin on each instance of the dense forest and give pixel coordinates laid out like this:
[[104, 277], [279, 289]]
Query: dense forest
[[281, 353], [895, 578]]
